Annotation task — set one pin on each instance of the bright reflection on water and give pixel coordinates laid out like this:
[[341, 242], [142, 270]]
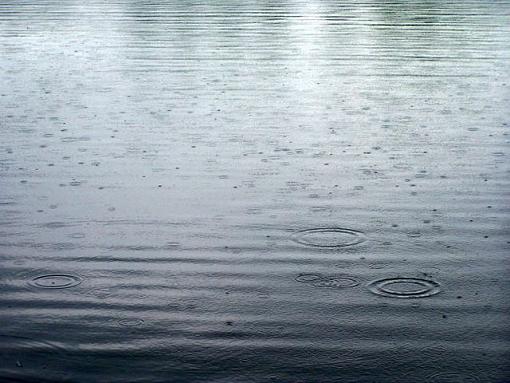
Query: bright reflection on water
[[254, 191]]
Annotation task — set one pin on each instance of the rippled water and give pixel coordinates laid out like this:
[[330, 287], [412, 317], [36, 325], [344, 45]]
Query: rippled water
[[242, 191]]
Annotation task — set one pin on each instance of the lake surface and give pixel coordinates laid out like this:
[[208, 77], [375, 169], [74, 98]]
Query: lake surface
[[254, 191]]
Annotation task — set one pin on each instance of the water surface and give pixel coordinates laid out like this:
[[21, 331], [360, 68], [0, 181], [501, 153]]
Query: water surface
[[254, 191]]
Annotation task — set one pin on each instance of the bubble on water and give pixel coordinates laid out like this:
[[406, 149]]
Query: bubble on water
[[55, 281], [334, 237], [404, 287]]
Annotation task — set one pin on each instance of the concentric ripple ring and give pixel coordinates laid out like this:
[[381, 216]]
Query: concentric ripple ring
[[329, 237], [338, 282], [308, 277], [388, 287], [55, 281], [452, 377]]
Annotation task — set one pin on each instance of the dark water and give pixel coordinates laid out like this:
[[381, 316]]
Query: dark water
[[254, 191]]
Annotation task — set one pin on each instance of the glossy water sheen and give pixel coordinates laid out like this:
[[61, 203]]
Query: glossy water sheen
[[168, 168]]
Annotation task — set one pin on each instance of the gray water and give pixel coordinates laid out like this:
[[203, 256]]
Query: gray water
[[254, 191]]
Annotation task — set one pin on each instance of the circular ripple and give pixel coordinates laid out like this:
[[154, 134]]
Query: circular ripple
[[100, 293], [307, 278], [332, 237], [452, 377], [336, 283], [404, 287], [131, 322], [76, 235], [327, 281], [55, 281]]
